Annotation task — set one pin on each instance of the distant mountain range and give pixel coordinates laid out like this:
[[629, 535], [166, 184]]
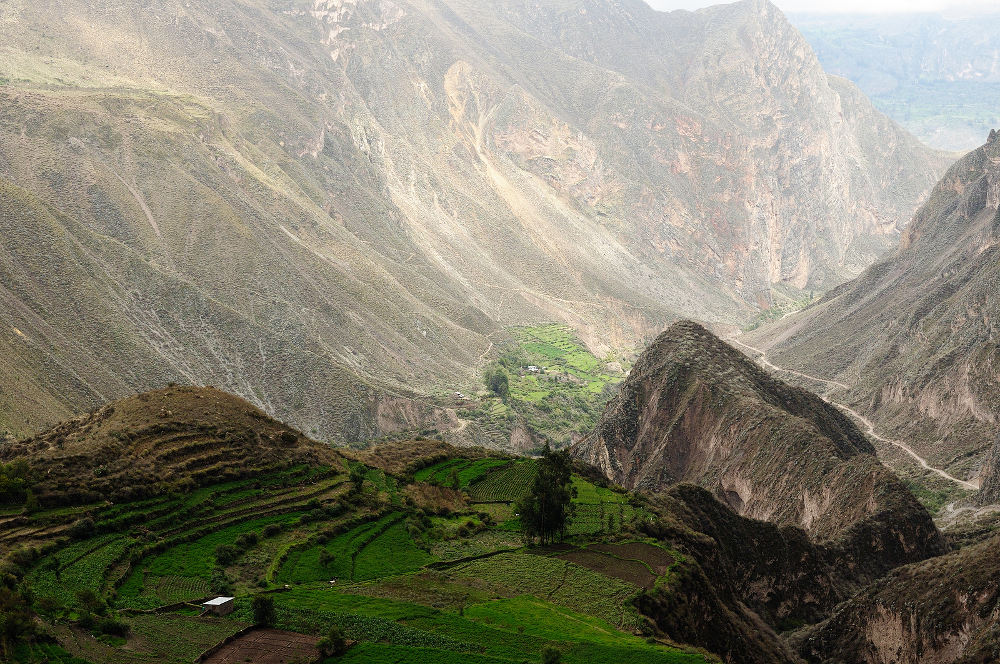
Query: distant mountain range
[[337, 209], [938, 75]]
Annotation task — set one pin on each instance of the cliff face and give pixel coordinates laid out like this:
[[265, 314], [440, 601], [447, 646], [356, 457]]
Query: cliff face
[[989, 491], [943, 611], [695, 410], [916, 334], [315, 204]]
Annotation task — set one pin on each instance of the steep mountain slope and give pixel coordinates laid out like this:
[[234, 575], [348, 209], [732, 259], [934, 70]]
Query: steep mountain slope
[[945, 610], [916, 334], [694, 409], [323, 206], [989, 490]]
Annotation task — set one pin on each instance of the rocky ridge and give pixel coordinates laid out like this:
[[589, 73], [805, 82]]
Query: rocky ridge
[[915, 336], [694, 409]]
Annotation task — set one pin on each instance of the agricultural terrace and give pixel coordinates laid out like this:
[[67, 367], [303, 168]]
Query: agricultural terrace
[[348, 546], [556, 384]]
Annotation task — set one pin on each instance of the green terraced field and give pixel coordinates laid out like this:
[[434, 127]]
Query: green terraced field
[[505, 484], [468, 471], [372, 550], [563, 583], [81, 566], [504, 607]]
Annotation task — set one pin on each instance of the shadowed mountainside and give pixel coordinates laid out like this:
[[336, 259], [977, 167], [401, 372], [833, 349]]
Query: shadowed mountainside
[[334, 209], [916, 334], [945, 610]]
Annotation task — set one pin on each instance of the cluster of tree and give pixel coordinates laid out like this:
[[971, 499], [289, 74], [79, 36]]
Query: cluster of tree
[[15, 482], [17, 624], [497, 381], [227, 554], [548, 508]]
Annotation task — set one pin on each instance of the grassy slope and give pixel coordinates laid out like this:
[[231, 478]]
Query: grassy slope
[[503, 608]]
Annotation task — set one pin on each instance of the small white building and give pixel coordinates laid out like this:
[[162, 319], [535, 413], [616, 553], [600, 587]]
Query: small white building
[[220, 606], [533, 369]]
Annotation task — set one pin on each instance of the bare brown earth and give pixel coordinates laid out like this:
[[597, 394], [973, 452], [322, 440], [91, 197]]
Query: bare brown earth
[[267, 646]]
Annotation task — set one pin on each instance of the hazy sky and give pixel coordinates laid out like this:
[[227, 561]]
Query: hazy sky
[[847, 6]]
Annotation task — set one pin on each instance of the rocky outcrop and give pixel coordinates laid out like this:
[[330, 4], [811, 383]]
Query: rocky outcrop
[[693, 409], [989, 477], [917, 335], [942, 611]]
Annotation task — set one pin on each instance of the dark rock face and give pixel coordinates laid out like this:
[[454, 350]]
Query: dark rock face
[[742, 580], [989, 491], [917, 334], [693, 409], [945, 610]]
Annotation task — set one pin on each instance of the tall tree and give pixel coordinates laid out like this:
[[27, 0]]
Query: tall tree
[[548, 508]]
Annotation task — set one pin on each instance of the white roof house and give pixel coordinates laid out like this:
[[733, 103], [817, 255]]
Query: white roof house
[[220, 606]]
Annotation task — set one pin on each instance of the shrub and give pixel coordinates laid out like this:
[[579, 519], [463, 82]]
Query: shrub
[[551, 656], [219, 582], [263, 610], [17, 625], [114, 627], [334, 644], [82, 528], [226, 554], [272, 529], [247, 540]]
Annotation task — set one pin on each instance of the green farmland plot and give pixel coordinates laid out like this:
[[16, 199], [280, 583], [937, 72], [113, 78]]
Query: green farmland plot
[[556, 384], [372, 550], [77, 568], [505, 484], [412, 582], [513, 630], [467, 471]]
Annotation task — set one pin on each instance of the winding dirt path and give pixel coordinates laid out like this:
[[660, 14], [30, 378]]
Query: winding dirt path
[[869, 427]]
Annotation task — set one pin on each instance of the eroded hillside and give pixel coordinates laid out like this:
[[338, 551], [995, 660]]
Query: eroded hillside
[[694, 409], [915, 336], [336, 209]]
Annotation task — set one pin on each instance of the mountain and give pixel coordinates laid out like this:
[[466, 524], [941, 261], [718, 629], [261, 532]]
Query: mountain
[[694, 409], [989, 490], [119, 523], [938, 75], [336, 210], [915, 336], [944, 610]]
